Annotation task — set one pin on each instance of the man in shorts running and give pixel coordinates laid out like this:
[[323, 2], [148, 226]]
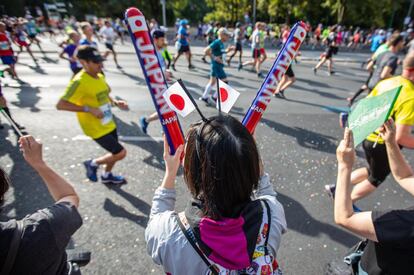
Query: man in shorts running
[[216, 51], [287, 80], [238, 37], [88, 95], [109, 35], [183, 45], [70, 50], [367, 179], [6, 51], [255, 38]]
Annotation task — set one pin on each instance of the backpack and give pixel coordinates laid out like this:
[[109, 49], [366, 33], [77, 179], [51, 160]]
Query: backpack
[[263, 262]]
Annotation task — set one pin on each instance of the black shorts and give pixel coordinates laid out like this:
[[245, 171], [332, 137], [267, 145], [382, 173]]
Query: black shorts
[[32, 36], [238, 46], [289, 72], [110, 142], [109, 46], [256, 53], [184, 49], [328, 53], [378, 165]]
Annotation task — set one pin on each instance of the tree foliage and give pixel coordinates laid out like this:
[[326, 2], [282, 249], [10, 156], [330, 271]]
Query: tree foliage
[[364, 13]]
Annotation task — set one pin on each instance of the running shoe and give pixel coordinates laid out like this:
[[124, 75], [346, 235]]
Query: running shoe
[[144, 124], [173, 67], [330, 190], [314, 70], [91, 170], [205, 100], [204, 59], [240, 67], [190, 67], [260, 75], [113, 179], [281, 94]]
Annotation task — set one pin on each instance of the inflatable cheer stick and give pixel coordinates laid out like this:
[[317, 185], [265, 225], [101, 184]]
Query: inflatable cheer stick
[[148, 58], [269, 85]]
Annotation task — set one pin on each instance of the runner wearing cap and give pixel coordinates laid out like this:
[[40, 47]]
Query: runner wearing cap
[[216, 51], [88, 95], [182, 44]]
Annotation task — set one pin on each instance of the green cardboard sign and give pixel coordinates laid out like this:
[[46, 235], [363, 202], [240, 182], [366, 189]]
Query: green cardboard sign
[[371, 113]]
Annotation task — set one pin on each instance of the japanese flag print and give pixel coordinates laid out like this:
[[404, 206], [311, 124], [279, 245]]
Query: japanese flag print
[[178, 100], [228, 96], [137, 23]]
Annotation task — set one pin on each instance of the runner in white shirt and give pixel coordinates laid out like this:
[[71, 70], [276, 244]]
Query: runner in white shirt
[[109, 36]]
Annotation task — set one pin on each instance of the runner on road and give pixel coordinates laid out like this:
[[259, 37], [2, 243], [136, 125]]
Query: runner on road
[[216, 51], [6, 52], [183, 45], [238, 35], [109, 35], [88, 95], [69, 50]]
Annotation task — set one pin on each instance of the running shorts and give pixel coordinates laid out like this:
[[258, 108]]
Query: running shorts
[[110, 142]]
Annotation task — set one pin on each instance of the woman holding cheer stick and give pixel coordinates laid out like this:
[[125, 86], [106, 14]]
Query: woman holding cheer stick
[[232, 222]]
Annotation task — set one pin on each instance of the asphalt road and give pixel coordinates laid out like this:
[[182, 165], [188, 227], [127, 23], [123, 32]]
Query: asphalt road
[[297, 139]]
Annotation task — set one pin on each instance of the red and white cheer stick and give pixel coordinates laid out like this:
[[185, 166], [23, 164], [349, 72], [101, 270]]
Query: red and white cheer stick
[[269, 85], [157, 84]]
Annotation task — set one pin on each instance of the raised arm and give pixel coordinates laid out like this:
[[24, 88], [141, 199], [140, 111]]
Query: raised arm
[[58, 187], [400, 169], [359, 223]]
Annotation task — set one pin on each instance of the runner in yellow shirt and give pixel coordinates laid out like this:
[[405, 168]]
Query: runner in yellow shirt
[[88, 95], [367, 179]]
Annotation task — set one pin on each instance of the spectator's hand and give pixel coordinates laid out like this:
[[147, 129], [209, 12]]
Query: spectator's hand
[[172, 162], [387, 131], [96, 112], [122, 104], [32, 151], [345, 153], [218, 59]]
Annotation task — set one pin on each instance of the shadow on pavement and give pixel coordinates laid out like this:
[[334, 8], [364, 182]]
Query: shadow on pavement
[[28, 190], [299, 220], [305, 138], [118, 211], [153, 147], [28, 97]]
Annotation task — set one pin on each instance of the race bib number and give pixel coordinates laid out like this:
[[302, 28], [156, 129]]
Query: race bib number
[[4, 46], [107, 114]]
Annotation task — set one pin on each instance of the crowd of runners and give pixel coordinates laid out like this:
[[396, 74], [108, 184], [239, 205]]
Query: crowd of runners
[[215, 217]]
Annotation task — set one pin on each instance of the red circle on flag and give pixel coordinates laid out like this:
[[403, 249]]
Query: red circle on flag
[[138, 23], [223, 94], [178, 101]]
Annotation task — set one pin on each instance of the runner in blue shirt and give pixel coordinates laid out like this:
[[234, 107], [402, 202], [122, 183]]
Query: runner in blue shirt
[[70, 50], [217, 53], [182, 44]]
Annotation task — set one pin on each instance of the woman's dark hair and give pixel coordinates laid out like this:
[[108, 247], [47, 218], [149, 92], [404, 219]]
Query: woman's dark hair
[[221, 166], [4, 185]]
